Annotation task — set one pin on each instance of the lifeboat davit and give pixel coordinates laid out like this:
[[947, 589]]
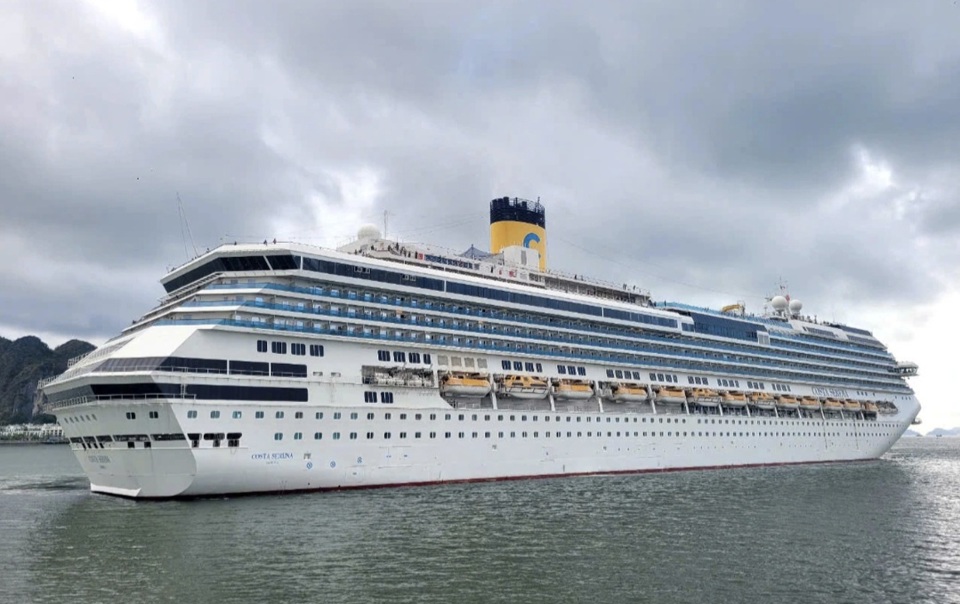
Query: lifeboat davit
[[667, 395], [524, 386], [810, 403], [465, 385], [572, 390], [703, 397], [627, 393]]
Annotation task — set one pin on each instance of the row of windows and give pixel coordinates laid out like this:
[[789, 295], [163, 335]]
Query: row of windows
[[697, 380], [621, 374], [215, 414], [400, 356], [371, 397], [278, 436], [522, 366], [198, 391], [233, 438], [571, 370], [296, 348], [192, 365], [781, 387], [175, 364]]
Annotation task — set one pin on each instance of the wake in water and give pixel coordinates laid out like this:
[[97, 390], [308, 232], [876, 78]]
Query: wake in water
[[35, 484]]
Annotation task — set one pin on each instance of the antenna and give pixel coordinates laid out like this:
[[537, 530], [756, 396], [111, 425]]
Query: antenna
[[184, 224], [385, 213]]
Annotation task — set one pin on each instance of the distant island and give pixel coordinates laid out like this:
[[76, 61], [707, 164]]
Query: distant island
[[24, 362]]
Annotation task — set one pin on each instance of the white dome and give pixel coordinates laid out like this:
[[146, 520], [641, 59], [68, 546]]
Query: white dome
[[779, 303], [796, 306], [368, 231]]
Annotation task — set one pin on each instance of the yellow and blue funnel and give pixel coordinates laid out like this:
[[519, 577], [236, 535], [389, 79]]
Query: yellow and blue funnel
[[518, 222]]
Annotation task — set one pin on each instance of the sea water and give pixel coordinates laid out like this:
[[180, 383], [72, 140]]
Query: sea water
[[878, 531]]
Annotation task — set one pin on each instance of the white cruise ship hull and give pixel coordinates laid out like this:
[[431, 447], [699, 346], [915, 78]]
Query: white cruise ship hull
[[615, 444]]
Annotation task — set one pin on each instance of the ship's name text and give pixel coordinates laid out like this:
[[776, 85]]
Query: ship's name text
[[270, 456], [837, 392]]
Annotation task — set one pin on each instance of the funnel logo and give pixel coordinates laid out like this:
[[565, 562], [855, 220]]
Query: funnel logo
[[530, 239]]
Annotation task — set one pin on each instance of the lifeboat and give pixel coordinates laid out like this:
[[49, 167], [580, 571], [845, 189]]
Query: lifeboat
[[810, 403], [734, 398], [852, 405], [464, 384], [763, 400], [786, 401], [524, 386], [870, 407], [669, 395], [572, 389], [627, 393], [832, 404], [703, 397]]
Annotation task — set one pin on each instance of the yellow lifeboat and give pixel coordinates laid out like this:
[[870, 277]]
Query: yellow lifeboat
[[670, 395], [703, 397], [572, 389], [733, 398], [810, 403], [524, 386], [870, 407], [787, 401], [627, 392], [852, 405], [465, 384], [763, 400], [832, 404]]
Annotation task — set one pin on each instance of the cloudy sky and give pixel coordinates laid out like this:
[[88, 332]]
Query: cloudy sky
[[702, 150]]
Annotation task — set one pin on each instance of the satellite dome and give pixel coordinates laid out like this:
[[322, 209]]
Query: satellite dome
[[779, 303], [368, 231], [796, 306]]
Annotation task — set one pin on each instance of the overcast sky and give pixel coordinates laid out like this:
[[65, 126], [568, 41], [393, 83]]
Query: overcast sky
[[702, 150]]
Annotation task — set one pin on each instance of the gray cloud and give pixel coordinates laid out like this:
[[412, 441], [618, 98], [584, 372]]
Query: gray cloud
[[700, 150]]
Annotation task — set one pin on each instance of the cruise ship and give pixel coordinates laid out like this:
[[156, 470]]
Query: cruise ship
[[281, 367]]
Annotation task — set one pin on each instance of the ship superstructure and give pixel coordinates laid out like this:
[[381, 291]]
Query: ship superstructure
[[285, 367]]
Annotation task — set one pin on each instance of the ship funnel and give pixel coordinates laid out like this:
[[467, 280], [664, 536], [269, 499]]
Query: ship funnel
[[518, 222]]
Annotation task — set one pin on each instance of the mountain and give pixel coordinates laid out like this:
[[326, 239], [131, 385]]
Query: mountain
[[912, 433], [23, 363], [944, 432]]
